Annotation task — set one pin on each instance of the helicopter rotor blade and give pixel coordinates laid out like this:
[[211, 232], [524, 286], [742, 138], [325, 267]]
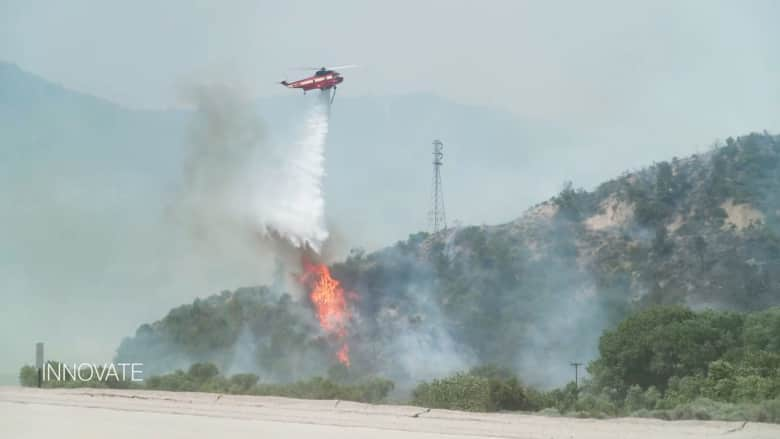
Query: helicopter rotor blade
[[346, 66], [341, 67]]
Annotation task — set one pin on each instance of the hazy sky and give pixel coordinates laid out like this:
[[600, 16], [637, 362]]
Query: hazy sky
[[635, 81], [628, 82], [606, 65]]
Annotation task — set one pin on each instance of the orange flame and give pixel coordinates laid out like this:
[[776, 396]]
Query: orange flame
[[343, 354], [330, 304]]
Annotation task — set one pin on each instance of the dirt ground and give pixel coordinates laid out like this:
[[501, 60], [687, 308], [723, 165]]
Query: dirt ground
[[125, 414]]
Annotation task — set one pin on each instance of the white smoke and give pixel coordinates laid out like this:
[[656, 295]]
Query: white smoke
[[238, 186]]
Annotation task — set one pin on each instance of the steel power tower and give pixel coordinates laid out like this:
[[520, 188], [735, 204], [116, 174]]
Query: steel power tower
[[437, 216]]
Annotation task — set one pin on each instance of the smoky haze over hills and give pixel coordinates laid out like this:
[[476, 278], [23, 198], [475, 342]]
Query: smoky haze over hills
[[89, 188], [87, 229], [532, 295]]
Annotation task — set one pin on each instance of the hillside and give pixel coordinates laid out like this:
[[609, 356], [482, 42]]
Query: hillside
[[89, 186], [532, 294]]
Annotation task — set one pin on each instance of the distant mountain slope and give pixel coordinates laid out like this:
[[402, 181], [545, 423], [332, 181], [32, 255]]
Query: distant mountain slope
[[536, 293], [43, 124]]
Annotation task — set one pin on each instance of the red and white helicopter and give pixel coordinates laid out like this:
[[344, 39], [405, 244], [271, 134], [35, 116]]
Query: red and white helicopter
[[323, 79]]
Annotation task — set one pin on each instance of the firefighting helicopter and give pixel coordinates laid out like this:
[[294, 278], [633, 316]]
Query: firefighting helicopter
[[323, 79]]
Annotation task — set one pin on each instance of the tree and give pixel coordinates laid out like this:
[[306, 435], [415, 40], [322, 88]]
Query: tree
[[661, 244], [568, 201], [762, 330], [651, 346], [664, 184]]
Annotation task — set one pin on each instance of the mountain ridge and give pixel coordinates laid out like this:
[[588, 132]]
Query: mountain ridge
[[585, 255], [81, 172], [699, 231]]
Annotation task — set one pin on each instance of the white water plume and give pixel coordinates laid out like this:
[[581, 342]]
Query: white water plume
[[293, 206], [239, 183]]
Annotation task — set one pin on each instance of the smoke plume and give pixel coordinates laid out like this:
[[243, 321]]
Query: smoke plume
[[238, 186]]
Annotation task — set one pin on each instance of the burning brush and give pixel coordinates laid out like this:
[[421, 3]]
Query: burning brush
[[330, 303]]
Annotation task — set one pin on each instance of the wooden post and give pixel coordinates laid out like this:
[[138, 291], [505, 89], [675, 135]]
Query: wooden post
[[576, 374]]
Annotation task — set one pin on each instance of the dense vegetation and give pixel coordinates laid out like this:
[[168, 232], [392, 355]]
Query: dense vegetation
[[701, 230], [536, 293], [484, 388], [205, 377], [665, 358], [665, 361], [249, 329], [530, 295]]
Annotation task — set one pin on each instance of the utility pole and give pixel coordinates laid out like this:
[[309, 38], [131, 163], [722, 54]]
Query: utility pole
[[437, 216], [576, 374]]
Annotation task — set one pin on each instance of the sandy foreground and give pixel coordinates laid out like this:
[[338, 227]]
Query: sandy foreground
[[102, 413]]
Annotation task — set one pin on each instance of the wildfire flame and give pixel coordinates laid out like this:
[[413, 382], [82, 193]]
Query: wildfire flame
[[330, 304]]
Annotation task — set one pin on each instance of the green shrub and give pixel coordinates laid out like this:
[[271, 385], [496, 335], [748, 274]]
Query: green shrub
[[458, 392], [540, 400], [768, 411], [374, 390], [595, 406], [28, 376], [635, 399], [549, 411], [753, 388], [371, 390], [506, 391], [242, 382], [564, 399], [177, 381], [202, 372], [508, 394], [205, 377], [681, 390], [483, 388], [492, 372], [652, 396], [705, 409]]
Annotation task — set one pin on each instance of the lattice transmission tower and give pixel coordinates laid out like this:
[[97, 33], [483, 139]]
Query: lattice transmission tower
[[438, 218]]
